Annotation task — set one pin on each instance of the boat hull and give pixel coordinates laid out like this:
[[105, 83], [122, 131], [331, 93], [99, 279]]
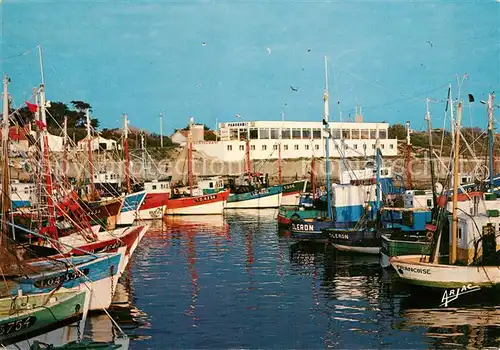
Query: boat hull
[[38, 312], [355, 241], [269, 197], [130, 206], [312, 230], [397, 247], [210, 204], [153, 206], [291, 192], [441, 276]]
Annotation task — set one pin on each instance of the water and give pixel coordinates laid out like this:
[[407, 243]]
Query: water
[[234, 282]]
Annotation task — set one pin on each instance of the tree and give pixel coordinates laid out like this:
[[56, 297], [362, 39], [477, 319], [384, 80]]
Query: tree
[[397, 131], [81, 106]]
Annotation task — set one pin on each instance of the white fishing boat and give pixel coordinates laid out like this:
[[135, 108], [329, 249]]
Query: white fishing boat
[[474, 241]]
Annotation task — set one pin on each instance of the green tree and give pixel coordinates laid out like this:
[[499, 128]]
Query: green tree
[[397, 131]]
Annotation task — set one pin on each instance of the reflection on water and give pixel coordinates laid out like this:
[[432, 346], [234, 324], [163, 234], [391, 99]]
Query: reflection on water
[[233, 281]]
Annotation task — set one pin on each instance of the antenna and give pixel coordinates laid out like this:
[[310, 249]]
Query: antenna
[[41, 63], [325, 96], [161, 129]]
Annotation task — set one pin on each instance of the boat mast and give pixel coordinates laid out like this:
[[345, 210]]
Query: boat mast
[[143, 155], [327, 141], [89, 147], [431, 152], [280, 167], [454, 227], [190, 157], [127, 157], [5, 167], [313, 178], [491, 98], [408, 156], [51, 227], [65, 151], [248, 162], [378, 164]]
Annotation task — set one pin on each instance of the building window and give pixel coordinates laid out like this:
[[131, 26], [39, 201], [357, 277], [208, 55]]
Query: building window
[[373, 133], [316, 147], [275, 134], [275, 147], [296, 134], [373, 146], [229, 147], [382, 134], [285, 147], [306, 134], [316, 134], [264, 134], [391, 146], [254, 134], [307, 147], [346, 134], [233, 134], [355, 146], [243, 134], [335, 134], [364, 134], [296, 147], [252, 147], [383, 146], [264, 147], [242, 147], [355, 134], [285, 133]]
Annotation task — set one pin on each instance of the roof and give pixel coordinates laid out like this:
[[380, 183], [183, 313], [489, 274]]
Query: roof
[[99, 138]]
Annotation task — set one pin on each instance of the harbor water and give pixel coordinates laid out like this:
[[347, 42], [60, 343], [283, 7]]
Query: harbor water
[[237, 282]]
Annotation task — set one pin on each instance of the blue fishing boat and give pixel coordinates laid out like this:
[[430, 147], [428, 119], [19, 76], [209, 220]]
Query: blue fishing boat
[[130, 207], [100, 272]]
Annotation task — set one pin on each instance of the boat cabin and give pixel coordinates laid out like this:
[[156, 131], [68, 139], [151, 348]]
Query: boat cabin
[[156, 186], [211, 185], [364, 176]]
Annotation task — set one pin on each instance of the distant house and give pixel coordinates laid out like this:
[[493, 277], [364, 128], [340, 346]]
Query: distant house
[[98, 143], [198, 133], [180, 137]]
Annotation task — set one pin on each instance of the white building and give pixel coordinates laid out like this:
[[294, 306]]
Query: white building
[[298, 140], [181, 136], [98, 143]]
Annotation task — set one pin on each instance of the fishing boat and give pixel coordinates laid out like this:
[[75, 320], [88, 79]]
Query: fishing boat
[[473, 262], [24, 316], [196, 203]]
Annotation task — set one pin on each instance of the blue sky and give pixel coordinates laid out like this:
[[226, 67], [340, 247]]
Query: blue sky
[[143, 57]]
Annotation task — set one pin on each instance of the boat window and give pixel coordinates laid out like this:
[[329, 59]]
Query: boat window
[[391, 146], [306, 133], [264, 147], [316, 133], [275, 134], [153, 187], [464, 179], [254, 134], [382, 134], [355, 146], [459, 233], [275, 147], [296, 134], [242, 147], [355, 134], [285, 147], [211, 185], [285, 133], [296, 147], [373, 146], [264, 134], [429, 202], [105, 177], [229, 147], [373, 133], [307, 147], [252, 147]]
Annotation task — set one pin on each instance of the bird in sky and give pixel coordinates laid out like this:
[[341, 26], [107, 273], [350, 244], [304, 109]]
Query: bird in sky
[[238, 116], [203, 43], [308, 50], [293, 89], [268, 50], [430, 43]]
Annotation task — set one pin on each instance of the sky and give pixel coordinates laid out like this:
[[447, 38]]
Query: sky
[[214, 59]]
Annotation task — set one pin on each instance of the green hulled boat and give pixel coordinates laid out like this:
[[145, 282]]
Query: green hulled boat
[[81, 345], [25, 315], [287, 213], [394, 245]]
